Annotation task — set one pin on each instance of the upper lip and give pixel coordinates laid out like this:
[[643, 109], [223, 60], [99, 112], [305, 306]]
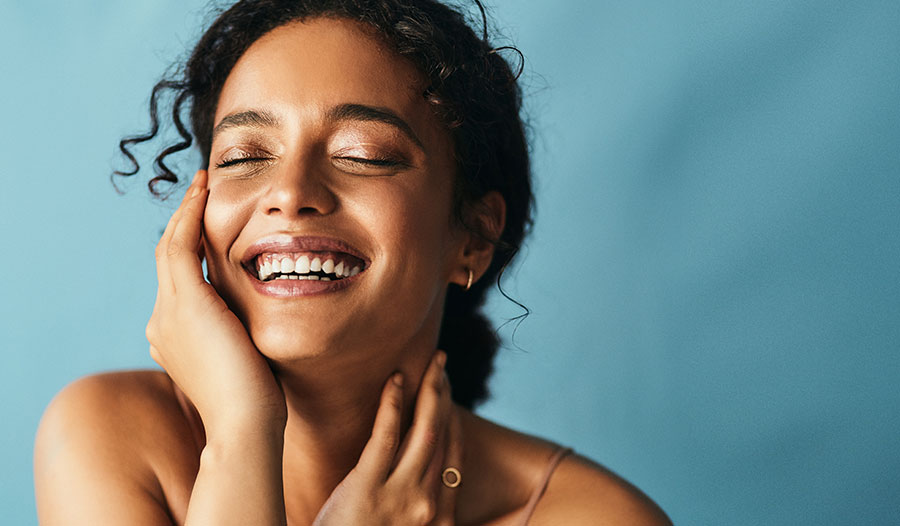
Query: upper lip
[[293, 243]]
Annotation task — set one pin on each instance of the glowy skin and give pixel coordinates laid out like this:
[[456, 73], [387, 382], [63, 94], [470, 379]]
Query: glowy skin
[[310, 179]]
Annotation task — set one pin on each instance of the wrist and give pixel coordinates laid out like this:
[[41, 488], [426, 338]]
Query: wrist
[[246, 427]]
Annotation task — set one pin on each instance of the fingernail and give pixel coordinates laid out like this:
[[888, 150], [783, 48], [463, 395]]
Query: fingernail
[[397, 379], [195, 192]]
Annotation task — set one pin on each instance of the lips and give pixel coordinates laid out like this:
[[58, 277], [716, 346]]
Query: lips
[[283, 258]]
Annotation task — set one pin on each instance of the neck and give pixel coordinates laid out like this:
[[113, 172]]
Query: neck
[[332, 403]]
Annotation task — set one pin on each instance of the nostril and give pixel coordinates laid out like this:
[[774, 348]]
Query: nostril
[[304, 196], [306, 210]]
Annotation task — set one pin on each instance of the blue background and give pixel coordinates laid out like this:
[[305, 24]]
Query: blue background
[[714, 277]]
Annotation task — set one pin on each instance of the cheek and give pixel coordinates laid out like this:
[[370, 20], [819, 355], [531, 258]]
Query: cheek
[[226, 211], [415, 224]]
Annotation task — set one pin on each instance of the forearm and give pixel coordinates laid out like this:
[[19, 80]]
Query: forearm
[[240, 479]]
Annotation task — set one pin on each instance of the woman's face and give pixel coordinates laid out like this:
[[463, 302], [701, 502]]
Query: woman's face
[[326, 156]]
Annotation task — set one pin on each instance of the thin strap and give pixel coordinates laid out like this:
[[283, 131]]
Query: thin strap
[[542, 485]]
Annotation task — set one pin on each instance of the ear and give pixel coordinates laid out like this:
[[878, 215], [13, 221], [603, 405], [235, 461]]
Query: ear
[[485, 220]]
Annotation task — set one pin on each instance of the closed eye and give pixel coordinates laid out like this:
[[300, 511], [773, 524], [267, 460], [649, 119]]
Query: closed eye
[[385, 163], [241, 160]]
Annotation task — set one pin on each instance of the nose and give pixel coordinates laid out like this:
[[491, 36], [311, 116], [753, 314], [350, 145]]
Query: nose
[[298, 189]]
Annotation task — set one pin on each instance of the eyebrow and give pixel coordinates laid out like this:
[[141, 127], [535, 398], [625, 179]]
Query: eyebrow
[[361, 112], [249, 118], [341, 112]]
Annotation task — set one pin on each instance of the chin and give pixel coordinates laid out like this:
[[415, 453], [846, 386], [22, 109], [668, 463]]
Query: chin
[[287, 342]]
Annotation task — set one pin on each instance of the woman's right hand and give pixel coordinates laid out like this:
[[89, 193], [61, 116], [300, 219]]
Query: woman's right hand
[[197, 339]]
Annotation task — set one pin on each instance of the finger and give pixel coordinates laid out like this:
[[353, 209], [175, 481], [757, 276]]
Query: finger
[[182, 251], [428, 422], [162, 265], [378, 455], [176, 215], [434, 468], [446, 499]]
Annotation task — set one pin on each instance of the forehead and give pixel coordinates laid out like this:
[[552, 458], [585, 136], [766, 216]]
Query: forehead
[[320, 63]]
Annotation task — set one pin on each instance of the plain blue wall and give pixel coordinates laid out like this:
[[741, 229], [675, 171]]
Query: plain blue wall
[[714, 277]]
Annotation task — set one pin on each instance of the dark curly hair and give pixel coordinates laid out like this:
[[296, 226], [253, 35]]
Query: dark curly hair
[[472, 89]]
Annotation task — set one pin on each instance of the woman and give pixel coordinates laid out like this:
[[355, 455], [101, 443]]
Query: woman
[[366, 179]]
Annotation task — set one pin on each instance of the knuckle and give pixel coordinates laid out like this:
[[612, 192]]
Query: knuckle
[[395, 403], [432, 392], [424, 510], [152, 330], [174, 249], [437, 384], [390, 440], [431, 435]]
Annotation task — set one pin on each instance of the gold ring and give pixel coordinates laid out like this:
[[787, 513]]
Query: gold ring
[[451, 477]]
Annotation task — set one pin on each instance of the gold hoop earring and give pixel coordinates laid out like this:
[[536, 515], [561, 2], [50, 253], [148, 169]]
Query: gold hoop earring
[[471, 278]]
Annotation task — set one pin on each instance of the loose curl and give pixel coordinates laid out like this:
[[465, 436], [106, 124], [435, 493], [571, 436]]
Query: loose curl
[[471, 87]]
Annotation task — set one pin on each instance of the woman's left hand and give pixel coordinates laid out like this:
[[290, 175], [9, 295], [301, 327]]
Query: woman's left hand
[[401, 483]]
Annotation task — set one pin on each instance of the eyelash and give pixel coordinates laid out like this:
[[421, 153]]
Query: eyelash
[[376, 162], [240, 160]]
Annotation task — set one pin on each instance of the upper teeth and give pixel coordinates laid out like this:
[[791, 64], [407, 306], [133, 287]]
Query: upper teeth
[[282, 266]]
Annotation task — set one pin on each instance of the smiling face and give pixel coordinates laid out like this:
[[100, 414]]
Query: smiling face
[[324, 148]]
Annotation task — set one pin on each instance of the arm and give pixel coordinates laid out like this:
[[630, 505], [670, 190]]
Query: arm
[[240, 477], [206, 351]]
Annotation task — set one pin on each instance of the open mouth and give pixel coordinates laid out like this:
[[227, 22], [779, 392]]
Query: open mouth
[[317, 266]]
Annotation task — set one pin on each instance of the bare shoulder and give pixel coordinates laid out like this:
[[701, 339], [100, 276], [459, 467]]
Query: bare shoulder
[[104, 435], [579, 491], [582, 492]]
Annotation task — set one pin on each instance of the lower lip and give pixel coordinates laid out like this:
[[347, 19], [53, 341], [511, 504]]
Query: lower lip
[[290, 288]]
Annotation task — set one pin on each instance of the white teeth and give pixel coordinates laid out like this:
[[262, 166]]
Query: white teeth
[[302, 266], [275, 264], [324, 279]]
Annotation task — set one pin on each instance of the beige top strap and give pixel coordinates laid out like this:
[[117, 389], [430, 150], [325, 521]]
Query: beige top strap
[[542, 485]]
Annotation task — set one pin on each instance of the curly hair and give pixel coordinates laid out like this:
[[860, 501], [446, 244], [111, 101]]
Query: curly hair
[[472, 89]]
